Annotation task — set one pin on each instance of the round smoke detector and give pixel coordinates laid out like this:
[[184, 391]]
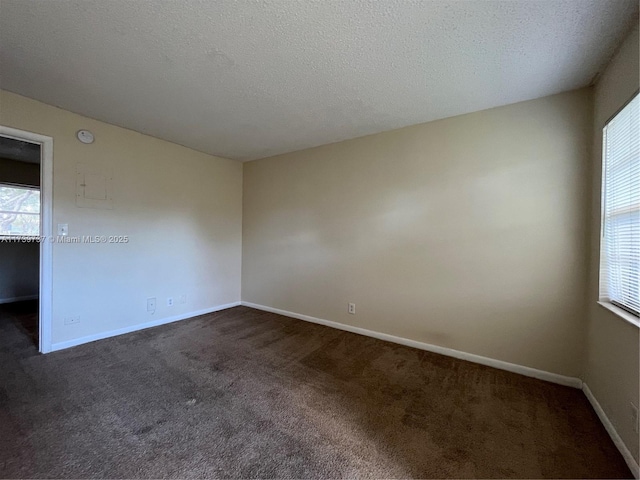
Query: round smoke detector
[[85, 136]]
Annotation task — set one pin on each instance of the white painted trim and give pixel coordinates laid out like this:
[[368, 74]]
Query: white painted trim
[[18, 299], [470, 357], [46, 229], [617, 440], [134, 328]]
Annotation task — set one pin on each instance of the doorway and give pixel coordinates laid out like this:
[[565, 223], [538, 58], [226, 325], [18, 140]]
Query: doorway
[[26, 234]]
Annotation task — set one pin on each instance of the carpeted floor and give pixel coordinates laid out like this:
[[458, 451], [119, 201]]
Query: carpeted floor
[[23, 315], [243, 393]]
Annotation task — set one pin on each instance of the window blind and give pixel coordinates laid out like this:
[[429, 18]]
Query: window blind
[[620, 255]]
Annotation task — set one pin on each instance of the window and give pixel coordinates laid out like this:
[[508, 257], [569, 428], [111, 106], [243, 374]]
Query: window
[[19, 211], [620, 251]]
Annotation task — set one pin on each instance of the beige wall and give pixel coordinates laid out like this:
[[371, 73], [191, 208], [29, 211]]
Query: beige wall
[[181, 209], [467, 233], [612, 359]]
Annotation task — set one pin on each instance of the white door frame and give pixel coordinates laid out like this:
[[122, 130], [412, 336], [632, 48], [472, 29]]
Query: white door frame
[[46, 228]]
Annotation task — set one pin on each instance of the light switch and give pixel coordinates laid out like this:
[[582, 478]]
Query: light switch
[[63, 229]]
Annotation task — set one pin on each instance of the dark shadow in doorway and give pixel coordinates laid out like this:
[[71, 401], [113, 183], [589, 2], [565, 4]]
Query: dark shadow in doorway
[[25, 316]]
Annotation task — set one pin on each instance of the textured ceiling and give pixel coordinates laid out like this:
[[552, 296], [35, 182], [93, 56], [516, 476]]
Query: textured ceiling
[[249, 79]]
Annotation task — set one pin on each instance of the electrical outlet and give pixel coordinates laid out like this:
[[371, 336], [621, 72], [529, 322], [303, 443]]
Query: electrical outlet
[[634, 418], [182, 299], [71, 320], [151, 305], [170, 302], [352, 308]]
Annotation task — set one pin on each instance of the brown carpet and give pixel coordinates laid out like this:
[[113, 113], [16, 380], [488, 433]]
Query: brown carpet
[[246, 394]]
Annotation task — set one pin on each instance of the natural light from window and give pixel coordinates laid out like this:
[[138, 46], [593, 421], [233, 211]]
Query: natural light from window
[[19, 211], [620, 250]]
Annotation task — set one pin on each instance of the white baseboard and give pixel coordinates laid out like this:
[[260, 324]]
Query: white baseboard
[[18, 299], [499, 364], [134, 328], [510, 367], [626, 454]]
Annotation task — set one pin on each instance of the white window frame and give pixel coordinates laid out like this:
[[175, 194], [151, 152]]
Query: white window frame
[[604, 300]]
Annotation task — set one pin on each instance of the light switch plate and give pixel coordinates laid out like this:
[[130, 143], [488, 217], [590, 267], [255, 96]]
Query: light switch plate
[[151, 304], [63, 229], [71, 320]]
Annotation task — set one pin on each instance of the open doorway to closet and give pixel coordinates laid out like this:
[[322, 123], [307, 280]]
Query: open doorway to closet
[[20, 236], [25, 236]]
